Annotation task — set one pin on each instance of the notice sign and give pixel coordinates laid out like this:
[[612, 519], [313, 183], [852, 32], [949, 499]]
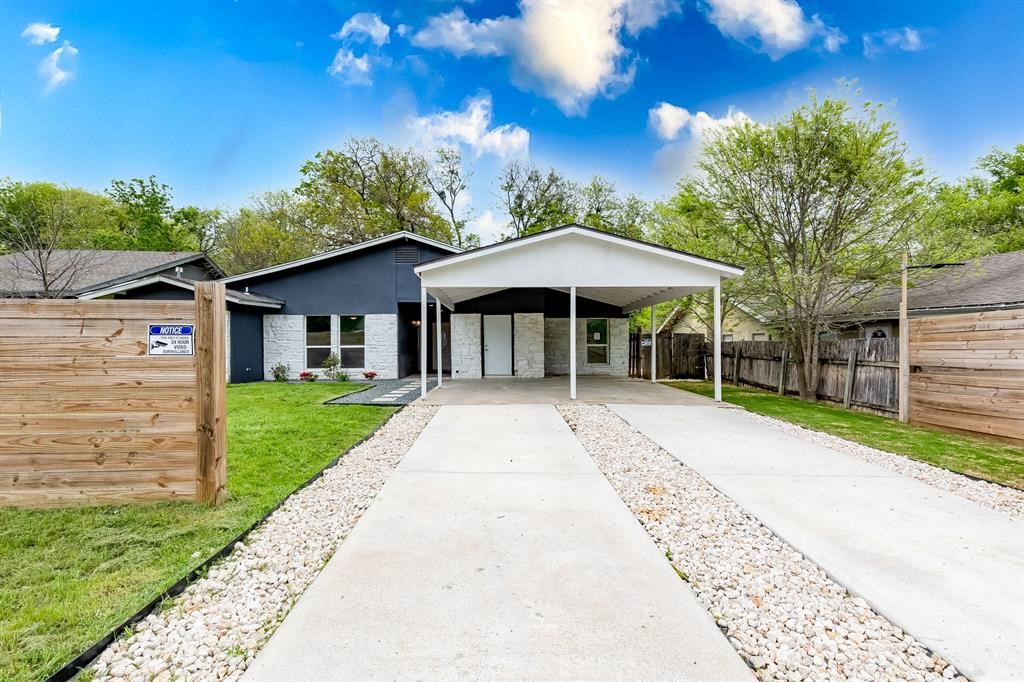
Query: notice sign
[[171, 339], [645, 341]]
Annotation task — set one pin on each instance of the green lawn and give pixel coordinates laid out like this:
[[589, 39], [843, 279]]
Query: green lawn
[[68, 575], [979, 457]]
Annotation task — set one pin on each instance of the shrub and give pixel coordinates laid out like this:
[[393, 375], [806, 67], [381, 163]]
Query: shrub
[[369, 375], [307, 376], [280, 371], [332, 367]]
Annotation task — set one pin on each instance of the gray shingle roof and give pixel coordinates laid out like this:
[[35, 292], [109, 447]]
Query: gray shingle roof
[[95, 268], [986, 282]]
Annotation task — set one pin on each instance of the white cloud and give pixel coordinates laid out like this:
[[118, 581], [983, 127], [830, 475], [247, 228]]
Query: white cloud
[[487, 226], [569, 51], [454, 32], [906, 39], [55, 67], [775, 27], [351, 69], [471, 126], [39, 33], [667, 120], [363, 26], [680, 156]]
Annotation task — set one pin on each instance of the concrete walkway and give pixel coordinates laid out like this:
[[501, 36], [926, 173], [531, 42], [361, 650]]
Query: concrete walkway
[[555, 390], [497, 550], [941, 567]]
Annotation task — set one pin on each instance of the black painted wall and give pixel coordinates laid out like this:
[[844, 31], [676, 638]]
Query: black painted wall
[[365, 282], [551, 302]]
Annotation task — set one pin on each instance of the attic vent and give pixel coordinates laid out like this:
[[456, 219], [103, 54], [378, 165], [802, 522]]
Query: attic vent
[[407, 254]]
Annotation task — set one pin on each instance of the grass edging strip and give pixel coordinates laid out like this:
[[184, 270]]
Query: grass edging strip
[[80, 662]]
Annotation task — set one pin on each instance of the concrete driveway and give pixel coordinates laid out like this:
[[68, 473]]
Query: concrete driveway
[[946, 570], [497, 550], [555, 390]]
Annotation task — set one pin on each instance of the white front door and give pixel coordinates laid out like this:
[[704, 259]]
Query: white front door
[[497, 345]]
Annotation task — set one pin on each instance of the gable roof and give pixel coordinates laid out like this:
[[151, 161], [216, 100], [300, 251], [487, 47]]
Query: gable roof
[[576, 228], [995, 281], [623, 272], [240, 297], [345, 250], [98, 267]]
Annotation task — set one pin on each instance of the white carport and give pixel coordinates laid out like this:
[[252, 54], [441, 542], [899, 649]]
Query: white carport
[[580, 261]]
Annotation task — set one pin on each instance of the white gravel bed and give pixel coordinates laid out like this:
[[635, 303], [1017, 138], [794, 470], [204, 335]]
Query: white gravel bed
[[992, 495], [213, 630], [780, 611]]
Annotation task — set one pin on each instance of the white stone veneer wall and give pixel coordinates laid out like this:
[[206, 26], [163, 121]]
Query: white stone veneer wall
[[528, 329], [556, 347], [382, 345], [284, 341], [466, 358]]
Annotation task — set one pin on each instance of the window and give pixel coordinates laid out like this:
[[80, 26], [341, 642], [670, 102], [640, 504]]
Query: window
[[352, 348], [726, 338], [760, 336], [318, 340], [597, 342]]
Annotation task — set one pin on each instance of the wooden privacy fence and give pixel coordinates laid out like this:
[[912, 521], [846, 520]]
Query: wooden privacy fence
[[96, 409], [967, 372], [861, 374], [680, 356]]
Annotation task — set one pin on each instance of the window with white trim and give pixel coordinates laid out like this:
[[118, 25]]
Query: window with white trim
[[760, 336], [597, 341], [726, 338], [318, 340], [352, 341]]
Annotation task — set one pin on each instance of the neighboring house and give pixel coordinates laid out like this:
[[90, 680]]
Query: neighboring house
[[77, 271], [986, 283], [145, 275], [740, 323]]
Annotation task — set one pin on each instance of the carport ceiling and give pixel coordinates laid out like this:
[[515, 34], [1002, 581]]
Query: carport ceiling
[[622, 272]]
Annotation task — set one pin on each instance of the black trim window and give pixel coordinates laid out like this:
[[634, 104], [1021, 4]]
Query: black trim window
[[352, 348], [597, 341], [318, 340]]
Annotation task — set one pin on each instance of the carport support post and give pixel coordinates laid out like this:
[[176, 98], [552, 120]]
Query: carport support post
[[654, 347], [423, 340], [718, 343], [440, 354], [572, 343]]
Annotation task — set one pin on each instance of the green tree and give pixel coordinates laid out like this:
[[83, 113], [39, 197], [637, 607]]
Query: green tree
[[145, 219], [602, 208], [447, 180], [535, 201], [367, 189], [274, 228], [814, 205], [979, 215]]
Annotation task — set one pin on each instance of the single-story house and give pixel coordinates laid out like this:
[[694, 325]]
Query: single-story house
[[145, 275], [739, 323], [992, 282]]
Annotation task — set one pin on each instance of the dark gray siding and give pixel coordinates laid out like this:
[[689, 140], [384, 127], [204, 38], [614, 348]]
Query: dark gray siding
[[246, 343], [365, 282], [548, 301], [158, 292]]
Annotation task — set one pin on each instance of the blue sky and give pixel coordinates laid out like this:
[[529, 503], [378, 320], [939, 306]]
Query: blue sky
[[223, 99]]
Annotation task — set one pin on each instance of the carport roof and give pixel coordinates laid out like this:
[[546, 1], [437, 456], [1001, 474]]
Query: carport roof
[[624, 272]]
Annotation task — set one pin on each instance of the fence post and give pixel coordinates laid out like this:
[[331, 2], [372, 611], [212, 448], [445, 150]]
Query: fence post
[[736, 365], [211, 412], [904, 353], [851, 368], [782, 371]]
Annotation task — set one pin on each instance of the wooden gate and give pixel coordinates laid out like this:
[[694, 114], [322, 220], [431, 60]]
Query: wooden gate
[[680, 356], [967, 372], [99, 410]]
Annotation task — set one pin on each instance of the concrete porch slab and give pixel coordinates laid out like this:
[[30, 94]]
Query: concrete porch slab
[[555, 390]]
